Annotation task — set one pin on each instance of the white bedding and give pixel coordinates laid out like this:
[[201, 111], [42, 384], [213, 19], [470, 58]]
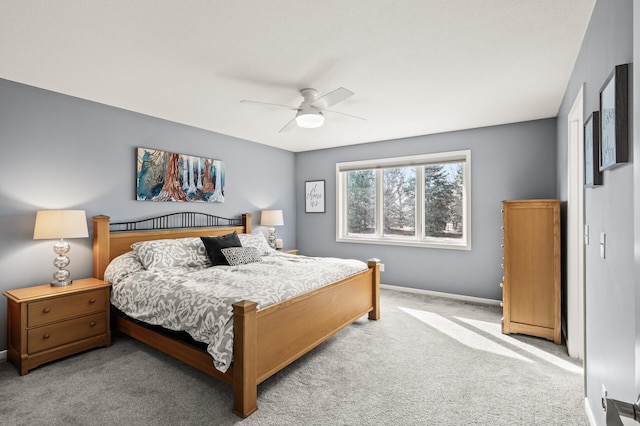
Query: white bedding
[[198, 299]]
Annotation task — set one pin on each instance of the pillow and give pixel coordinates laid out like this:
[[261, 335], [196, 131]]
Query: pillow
[[197, 253], [258, 241], [171, 253], [215, 244], [241, 255], [122, 266]]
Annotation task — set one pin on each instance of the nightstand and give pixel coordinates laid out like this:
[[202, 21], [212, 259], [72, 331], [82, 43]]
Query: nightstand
[[290, 251], [46, 323]]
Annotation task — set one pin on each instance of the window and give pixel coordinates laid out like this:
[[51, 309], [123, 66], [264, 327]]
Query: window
[[421, 200]]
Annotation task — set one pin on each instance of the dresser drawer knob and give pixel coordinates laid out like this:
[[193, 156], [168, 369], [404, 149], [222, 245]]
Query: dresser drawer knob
[[501, 305], [46, 310], [92, 323], [92, 300], [46, 335]]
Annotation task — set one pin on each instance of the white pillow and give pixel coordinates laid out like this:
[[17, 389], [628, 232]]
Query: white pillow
[[258, 241]]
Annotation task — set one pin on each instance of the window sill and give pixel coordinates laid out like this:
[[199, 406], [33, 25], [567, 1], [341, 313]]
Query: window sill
[[406, 243]]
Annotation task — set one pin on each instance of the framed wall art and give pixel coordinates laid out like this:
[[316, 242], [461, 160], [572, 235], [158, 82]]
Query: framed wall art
[[592, 173], [614, 121], [314, 196], [167, 176]]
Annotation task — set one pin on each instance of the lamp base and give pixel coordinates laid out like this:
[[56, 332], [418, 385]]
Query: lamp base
[[272, 237], [61, 276]]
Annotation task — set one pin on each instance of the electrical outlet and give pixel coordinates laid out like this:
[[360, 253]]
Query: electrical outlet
[[382, 267]]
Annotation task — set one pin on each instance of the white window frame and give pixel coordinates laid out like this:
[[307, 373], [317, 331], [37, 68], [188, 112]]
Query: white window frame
[[418, 240]]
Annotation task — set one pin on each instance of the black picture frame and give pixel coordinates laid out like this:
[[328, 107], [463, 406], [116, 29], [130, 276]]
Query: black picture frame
[[592, 173], [614, 119], [314, 197]]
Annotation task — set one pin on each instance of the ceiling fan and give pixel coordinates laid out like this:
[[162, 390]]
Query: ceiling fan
[[310, 113]]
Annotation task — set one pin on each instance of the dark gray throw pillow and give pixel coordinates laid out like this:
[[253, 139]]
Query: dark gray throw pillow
[[214, 245]]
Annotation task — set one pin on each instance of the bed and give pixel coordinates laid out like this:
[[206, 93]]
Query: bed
[[265, 340]]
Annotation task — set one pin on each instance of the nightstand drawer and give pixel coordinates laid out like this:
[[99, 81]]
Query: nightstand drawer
[[60, 333], [60, 308]]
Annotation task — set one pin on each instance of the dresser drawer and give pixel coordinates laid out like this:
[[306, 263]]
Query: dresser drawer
[[60, 308], [50, 336]]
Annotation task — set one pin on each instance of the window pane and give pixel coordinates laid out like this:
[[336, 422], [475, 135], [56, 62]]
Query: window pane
[[443, 189], [361, 202], [399, 209]]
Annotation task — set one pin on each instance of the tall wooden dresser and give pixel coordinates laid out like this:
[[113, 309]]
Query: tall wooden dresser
[[531, 281]]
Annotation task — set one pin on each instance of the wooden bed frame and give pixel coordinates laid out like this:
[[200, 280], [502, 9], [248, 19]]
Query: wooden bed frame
[[265, 340]]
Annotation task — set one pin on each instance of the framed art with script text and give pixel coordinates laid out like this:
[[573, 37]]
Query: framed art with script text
[[314, 196], [614, 125]]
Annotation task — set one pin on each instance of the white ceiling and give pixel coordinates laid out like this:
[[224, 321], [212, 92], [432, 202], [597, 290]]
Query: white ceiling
[[416, 66]]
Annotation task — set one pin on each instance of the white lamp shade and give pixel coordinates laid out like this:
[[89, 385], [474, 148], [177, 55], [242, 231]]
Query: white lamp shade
[[271, 218], [54, 224], [310, 120]]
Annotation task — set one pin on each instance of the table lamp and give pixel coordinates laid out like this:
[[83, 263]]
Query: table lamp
[[271, 218], [54, 224]]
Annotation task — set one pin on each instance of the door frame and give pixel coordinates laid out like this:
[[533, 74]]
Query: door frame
[[576, 232]]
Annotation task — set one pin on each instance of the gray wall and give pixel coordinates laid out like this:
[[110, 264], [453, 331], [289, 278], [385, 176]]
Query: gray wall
[[609, 283], [514, 161], [59, 152]]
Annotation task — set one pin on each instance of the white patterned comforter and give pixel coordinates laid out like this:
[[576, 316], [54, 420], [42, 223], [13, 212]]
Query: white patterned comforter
[[198, 300]]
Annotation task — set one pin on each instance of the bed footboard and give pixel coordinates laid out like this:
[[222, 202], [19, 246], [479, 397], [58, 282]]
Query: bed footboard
[[267, 340]]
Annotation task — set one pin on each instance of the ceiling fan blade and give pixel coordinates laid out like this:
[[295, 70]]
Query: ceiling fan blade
[[332, 98], [342, 113], [244, 101], [288, 126]]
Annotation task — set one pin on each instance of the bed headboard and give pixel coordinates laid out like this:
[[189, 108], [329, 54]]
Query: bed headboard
[[113, 239]]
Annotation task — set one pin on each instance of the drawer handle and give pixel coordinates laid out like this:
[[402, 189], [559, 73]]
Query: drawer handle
[[46, 335], [46, 310], [92, 300], [92, 324], [501, 305]]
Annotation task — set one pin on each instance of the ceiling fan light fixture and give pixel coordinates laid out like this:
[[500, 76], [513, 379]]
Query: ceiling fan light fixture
[[309, 120]]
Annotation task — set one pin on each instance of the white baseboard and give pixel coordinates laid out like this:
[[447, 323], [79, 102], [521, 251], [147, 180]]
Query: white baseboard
[[587, 410], [441, 294], [3, 356]]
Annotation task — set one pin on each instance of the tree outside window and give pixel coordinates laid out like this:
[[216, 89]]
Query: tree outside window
[[361, 198]]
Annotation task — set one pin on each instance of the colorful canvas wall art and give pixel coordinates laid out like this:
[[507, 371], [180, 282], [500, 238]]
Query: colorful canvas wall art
[[167, 176]]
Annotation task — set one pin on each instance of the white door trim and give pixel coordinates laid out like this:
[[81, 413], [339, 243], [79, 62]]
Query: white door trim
[[575, 229]]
